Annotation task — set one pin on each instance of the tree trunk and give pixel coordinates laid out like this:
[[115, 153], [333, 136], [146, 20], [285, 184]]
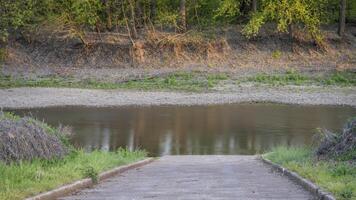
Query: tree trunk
[[139, 14], [182, 17], [254, 6], [132, 20], [108, 14], [342, 18], [153, 12]]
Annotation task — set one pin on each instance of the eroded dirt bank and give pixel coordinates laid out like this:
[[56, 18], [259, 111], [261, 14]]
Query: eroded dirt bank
[[46, 97]]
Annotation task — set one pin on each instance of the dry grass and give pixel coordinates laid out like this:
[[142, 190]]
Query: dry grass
[[338, 146], [25, 139], [214, 48]]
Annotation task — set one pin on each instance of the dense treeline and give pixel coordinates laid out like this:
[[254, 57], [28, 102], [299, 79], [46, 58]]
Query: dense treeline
[[177, 15]]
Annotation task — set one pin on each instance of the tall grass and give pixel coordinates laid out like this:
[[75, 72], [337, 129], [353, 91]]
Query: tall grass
[[337, 177], [29, 178]]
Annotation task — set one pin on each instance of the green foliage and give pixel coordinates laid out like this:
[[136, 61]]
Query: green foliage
[[343, 170], [284, 154], [341, 78], [292, 77], [289, 78], [176, 81], [228, 10], [14, 14], [86, 12], [29, 178], [337, 177], [184, 81], [90, 172], [307, 13], [81, 15], [276, 54]]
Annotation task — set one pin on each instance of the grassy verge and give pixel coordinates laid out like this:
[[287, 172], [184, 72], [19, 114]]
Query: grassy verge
[[29, 178], [26, 176], [184, 81], [337, 176], [177, 81], [296, 78]]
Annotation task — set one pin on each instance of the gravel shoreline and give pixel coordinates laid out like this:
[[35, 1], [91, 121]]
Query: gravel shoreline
[[17, 98]]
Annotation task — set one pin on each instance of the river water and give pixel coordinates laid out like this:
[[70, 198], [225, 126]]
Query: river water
[[213, 129]]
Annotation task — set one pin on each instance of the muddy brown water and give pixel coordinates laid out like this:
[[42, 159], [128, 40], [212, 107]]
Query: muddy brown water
[[181, 130]]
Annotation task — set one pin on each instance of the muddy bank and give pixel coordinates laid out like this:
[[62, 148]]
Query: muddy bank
[[46, 97], [228, 49]]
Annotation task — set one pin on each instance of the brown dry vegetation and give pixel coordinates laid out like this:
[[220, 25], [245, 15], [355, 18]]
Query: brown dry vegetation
[[223, 48], [24, 139]]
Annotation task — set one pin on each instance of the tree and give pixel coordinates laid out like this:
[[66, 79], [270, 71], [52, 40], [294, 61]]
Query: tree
[[139, 14], [254, 5], [133, 31], [342, 18], [13, 15], [182, 16], [286, 13], [108, 14], [228, 11], [153, 11]]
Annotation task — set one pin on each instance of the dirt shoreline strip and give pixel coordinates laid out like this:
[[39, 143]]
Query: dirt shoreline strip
[[17, 98]]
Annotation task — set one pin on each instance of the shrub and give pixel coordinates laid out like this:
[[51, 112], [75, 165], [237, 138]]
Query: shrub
[[28, 139], [341, 146]]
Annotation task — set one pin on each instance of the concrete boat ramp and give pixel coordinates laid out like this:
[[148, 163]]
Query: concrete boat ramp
[[197, 177]]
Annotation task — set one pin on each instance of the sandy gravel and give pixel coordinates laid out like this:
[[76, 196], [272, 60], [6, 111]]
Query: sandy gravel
[[46, 97]]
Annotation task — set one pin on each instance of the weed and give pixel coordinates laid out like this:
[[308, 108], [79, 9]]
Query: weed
[[342, 169], [90, 172], [338, 177], [341, 79], [292, 77], [346, 193], [276, 54]]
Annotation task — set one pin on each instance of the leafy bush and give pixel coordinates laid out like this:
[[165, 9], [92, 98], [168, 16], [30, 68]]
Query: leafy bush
[[86, 12], [287, 13], [90, 172]]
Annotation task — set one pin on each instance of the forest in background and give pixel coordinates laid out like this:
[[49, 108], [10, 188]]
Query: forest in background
[[185, 23], [180, 15]]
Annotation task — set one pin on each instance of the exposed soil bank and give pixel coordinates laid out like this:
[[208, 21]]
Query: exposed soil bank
[[46, 97], [223, 48]]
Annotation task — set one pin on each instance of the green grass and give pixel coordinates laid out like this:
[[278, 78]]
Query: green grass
[[296, 78], [183, 81], [337, 177], [29, 178], [177, 81]]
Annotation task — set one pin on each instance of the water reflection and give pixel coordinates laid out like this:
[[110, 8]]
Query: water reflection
[[222, 129]]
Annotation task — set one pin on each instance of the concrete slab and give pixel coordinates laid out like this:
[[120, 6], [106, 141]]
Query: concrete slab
[[198, 177]]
